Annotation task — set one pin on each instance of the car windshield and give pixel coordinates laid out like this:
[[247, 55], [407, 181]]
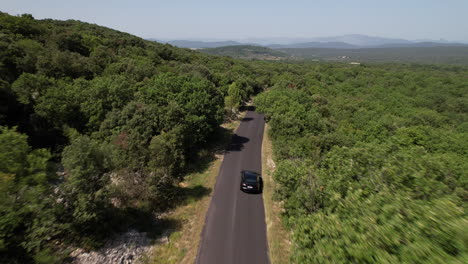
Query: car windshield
[[250, 177]]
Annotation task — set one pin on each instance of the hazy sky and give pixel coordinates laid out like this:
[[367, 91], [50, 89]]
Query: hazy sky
[[237, 19]]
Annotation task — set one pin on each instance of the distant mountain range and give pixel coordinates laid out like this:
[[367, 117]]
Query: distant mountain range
[[194, 44], [344, 45], [362, 40], [353, 41]]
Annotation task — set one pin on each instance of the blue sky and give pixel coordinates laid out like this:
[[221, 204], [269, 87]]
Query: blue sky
[[240, 19]]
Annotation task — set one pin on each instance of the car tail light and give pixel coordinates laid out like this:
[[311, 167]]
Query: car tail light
[[243, 184]]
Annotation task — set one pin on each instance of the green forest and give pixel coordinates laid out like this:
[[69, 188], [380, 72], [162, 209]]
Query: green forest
[[372, 161], [98, 127]]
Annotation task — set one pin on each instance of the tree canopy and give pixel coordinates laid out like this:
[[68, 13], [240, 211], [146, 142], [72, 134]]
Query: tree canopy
[[371, 161]]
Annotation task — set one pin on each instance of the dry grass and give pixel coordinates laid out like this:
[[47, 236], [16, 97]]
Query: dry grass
[[278, 237], [183, 244]]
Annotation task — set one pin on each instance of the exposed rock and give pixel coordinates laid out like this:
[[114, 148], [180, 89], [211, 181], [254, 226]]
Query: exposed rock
[[123, 249], [164, 239], [271, 164]]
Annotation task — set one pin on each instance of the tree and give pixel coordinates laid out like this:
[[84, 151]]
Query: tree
[[29, 87], [234, 98], [28, 219], [87, 164]]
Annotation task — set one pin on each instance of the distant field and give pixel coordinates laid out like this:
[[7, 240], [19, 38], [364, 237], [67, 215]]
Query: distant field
[[444, 55], [246, 52]]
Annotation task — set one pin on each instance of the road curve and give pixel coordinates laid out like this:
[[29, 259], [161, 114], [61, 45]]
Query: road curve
[[235, 230]]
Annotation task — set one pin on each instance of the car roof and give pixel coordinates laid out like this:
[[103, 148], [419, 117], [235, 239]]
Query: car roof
[[252, 173]]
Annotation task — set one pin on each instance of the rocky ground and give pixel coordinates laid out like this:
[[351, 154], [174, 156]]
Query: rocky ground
[[127, 248]]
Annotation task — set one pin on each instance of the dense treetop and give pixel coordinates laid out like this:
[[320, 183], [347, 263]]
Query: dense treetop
[[372, 161]]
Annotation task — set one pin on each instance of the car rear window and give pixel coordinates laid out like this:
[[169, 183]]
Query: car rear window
[[250, 177]]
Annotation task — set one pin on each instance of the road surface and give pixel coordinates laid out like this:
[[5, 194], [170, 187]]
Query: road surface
[[235, 230]]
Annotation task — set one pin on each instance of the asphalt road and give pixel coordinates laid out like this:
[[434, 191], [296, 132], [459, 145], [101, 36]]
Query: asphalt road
[[235, 230]]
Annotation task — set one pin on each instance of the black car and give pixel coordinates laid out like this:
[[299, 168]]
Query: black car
[[251, 182]]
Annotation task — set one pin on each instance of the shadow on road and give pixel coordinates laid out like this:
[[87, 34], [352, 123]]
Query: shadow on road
[[246, 119], [237, 143]]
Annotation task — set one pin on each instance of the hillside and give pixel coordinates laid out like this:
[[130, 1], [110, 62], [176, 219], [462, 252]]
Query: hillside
[[429, 55], [192, 44], [97, 128], [246, 52]]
